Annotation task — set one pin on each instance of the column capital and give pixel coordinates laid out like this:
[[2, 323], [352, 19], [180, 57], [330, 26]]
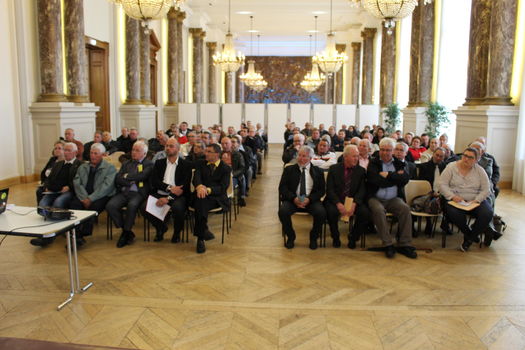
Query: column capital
[[181, 16], [340, 47], [356, 46], [212, 45], [368, 33], [172, 13], [197, 32]]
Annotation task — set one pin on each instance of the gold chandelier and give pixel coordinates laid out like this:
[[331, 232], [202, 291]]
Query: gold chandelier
[[389, 11], [330, 61], [228, 59], [251, 78], [146, 10], [313, 79]]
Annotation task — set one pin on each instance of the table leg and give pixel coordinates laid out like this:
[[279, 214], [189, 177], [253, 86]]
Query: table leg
[[71, 277], [75, 262]]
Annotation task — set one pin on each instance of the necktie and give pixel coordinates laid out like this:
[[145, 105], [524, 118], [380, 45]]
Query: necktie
[[348, 176], [212, 167], [302, 186]]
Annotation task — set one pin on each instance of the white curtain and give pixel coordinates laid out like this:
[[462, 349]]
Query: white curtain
[[518, 180]]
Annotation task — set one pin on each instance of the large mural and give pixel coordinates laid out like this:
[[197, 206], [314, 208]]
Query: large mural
[[284, 76]]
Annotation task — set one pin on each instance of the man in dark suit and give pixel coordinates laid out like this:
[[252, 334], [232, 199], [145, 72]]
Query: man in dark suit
[[59, 187], [301, 188], [386, 180], [170, 184], [97, 138], [401, 153], [132, 182], [346, 179], [211, 181], [430, 171]]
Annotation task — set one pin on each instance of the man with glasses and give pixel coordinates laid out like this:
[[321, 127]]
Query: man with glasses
[[387, 177], [211, 181]]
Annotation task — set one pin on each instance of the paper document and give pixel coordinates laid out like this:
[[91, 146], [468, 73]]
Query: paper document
[[348, 205], [153, 209], [463, 205]]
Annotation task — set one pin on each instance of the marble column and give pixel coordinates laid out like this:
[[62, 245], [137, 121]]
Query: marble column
[[173, 58], [212, 73], [502, 32], [421, 55], [339, 77], [426, 56], [180, 52], [132, 61], [239, 87], [145, 68], [198, 64], [75, 51], [329, 89], [230, 86], [368, 35], [356, 70], [388, 68], [50, 51], [478, 52], [415, 49]]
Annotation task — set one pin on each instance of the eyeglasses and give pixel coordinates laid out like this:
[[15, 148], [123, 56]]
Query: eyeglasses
[[468, 157], [386, 149]]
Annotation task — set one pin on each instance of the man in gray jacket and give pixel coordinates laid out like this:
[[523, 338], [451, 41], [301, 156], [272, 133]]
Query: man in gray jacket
[[94, 185]]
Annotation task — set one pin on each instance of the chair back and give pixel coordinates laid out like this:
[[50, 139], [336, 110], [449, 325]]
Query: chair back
[[416, 188], [113, 158], [229, 191], [192, 188]]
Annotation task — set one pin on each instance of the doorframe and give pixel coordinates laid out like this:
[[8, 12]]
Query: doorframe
[[94, 44]]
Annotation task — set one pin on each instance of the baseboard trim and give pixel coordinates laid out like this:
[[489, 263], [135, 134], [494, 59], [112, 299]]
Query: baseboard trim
[[505, 185], [17, 180]]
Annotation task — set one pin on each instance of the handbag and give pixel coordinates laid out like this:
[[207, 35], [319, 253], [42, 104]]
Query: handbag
[[426, 203]]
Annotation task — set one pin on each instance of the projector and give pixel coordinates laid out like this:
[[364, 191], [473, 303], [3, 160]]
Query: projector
[[54, 213]]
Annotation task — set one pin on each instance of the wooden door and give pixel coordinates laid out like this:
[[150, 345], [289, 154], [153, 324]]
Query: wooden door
[[98, 76]]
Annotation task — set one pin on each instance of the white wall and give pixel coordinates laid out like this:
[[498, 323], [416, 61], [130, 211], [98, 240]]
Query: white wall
[[12, 165], [98, 19]]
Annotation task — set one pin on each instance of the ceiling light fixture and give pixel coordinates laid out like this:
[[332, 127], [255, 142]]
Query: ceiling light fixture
[[251, 78], [330, 61], [147, 10], [313, 79], [228, 59]]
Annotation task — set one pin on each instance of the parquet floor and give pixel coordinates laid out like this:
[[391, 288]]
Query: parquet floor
[[252, 293]]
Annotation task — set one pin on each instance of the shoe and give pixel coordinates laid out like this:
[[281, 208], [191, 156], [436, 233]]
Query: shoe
[[336, 242], [41, 242], [445, 228], [313, 244], [496, 235], [160, 233], [476, 239], [465, 245], [351, 243], [126, 238], [487, 241], [201, 247], [289, 243], [175, 238], [242, 202], [208, 235], [408, 251], [390, 251]]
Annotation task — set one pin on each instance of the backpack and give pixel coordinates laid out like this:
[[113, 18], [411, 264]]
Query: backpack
[[426, 204]]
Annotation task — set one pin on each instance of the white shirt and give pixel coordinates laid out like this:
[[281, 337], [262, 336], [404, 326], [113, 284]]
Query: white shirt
[[325, 161], [169, 173], [309, 181]]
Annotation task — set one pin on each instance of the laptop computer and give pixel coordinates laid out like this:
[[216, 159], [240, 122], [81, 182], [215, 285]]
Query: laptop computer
[[3, 199]]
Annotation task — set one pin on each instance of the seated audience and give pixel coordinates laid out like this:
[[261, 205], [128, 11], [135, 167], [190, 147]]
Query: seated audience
[[94, 185], [425, 140], [401, 153], [427, 155], [365, 149], [170, 184], [235, 160], [161, 154], [58, 155], [430, 171], [488, 162], [346, 179], [322, 130], [155, 144], [249, 160], [307, 131], [313, 141], [466, 181], [211, 181], [338, 145], [183, 129], [171, 131], [69, 136], [323, 158], [301, 188], [386, 180], [255, 142], [132, 182], [126, 144], [416, 149], [97, 138], [110, 145], [290, 153], [197, 152], [186, 148], [380, 133]]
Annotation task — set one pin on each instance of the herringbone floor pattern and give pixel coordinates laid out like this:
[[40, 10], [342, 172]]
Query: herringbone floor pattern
[[252, 293]]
